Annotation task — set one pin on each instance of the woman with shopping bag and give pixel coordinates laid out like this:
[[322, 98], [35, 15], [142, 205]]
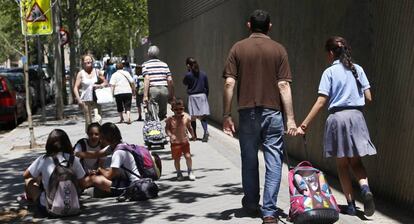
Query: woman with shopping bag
[[87, 80]]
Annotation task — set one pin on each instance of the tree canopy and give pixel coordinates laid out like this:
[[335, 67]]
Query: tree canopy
[[106, 26], [11, 37]]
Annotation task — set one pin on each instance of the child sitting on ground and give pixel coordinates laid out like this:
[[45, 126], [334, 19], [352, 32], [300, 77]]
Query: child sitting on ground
[[176, 128], [86, 149], [37, 176]]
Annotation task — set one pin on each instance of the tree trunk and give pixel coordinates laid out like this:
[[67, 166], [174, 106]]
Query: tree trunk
[[72, 47], [58, 61]]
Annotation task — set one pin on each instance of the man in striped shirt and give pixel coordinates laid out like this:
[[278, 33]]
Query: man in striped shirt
[[158, 83]]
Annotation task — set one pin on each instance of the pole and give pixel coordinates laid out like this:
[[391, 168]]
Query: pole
[[26, 86], [42, 81], [32, 141]]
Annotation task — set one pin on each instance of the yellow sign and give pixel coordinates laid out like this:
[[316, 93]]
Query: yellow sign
[[36, 17]]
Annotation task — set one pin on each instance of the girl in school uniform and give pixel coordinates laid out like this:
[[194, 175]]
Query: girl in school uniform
[[345, 88]]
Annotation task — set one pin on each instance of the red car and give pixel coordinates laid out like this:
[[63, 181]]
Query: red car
[[12, 100]]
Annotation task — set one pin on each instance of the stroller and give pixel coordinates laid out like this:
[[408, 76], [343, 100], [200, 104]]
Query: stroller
[[153, 131]]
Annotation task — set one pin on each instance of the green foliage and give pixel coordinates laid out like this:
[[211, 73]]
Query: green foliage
[[11, 38], [108, 25]]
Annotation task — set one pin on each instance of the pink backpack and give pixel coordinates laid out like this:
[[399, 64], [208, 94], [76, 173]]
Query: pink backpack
[[311, 199]]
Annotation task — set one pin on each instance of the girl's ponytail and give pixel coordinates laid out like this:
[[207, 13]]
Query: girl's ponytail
[[342, 51]]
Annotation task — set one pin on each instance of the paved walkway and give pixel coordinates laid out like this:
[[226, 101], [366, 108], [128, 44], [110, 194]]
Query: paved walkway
[[213, 198]]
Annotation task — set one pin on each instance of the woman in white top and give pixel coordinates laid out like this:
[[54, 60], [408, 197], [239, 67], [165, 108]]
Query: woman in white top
[[123, 88], [87, 80]]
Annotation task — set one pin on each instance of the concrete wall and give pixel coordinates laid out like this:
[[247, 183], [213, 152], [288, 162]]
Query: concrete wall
[[381, 35]]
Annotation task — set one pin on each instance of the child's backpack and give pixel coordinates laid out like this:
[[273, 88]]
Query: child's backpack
[[62, 194], [148, 164], [311, 199]]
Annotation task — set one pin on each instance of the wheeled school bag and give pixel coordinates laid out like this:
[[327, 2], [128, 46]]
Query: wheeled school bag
[[153, 131], [311, 199], [149, 164], [62, 194]]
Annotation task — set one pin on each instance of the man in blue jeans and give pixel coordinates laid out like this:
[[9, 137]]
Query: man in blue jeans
[[261, 68]]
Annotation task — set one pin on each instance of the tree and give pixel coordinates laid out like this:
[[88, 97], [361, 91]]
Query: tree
[[10, 31], [110, 24]]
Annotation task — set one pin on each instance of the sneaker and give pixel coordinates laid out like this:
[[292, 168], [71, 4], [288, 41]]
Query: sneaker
[[191, 176], [270, 220], [369, 206], [253, 211], [97, 118], [350, 209], [205, 138], [180, 177]]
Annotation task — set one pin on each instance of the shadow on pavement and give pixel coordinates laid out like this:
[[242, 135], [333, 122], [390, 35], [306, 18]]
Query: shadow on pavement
[[108, 209]]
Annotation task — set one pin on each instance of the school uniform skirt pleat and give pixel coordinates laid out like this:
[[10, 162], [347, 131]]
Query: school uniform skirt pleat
[[346, 135], [198, 105]]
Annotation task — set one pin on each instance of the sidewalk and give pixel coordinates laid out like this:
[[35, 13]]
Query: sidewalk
[[215, 197]]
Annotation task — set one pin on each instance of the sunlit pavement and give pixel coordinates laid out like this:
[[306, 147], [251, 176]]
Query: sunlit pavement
[[215, 196]]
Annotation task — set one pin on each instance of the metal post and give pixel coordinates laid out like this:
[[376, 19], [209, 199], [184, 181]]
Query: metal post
[[42, 81], [26, 86]]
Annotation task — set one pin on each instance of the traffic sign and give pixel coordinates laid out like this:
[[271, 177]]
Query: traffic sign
[[36, 16]]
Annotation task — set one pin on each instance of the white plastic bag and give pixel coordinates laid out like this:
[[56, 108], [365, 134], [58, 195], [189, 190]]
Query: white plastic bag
[[104, 95], [87, 95]]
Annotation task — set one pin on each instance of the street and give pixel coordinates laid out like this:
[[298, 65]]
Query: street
[[215, 196]]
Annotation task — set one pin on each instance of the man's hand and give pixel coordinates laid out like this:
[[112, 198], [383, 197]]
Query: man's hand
[[145, 99], [228, 126], [291, 128]]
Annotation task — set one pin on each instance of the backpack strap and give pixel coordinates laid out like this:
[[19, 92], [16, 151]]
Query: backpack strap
[[69, 162], [71, 159], [127, 148], [82, 143], [130, 171], [56, 160]]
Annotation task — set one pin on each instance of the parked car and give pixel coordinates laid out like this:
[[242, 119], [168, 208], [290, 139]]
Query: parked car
[[17, 81], [12, 100], [34, 83]]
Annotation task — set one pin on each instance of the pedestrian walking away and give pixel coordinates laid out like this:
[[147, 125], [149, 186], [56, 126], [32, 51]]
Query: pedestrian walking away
[[176, 128], [158, 82], [345, 88], [109, 68], [87, 80], [261, 68], [139, 89], [197, 90], [123, 88]]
